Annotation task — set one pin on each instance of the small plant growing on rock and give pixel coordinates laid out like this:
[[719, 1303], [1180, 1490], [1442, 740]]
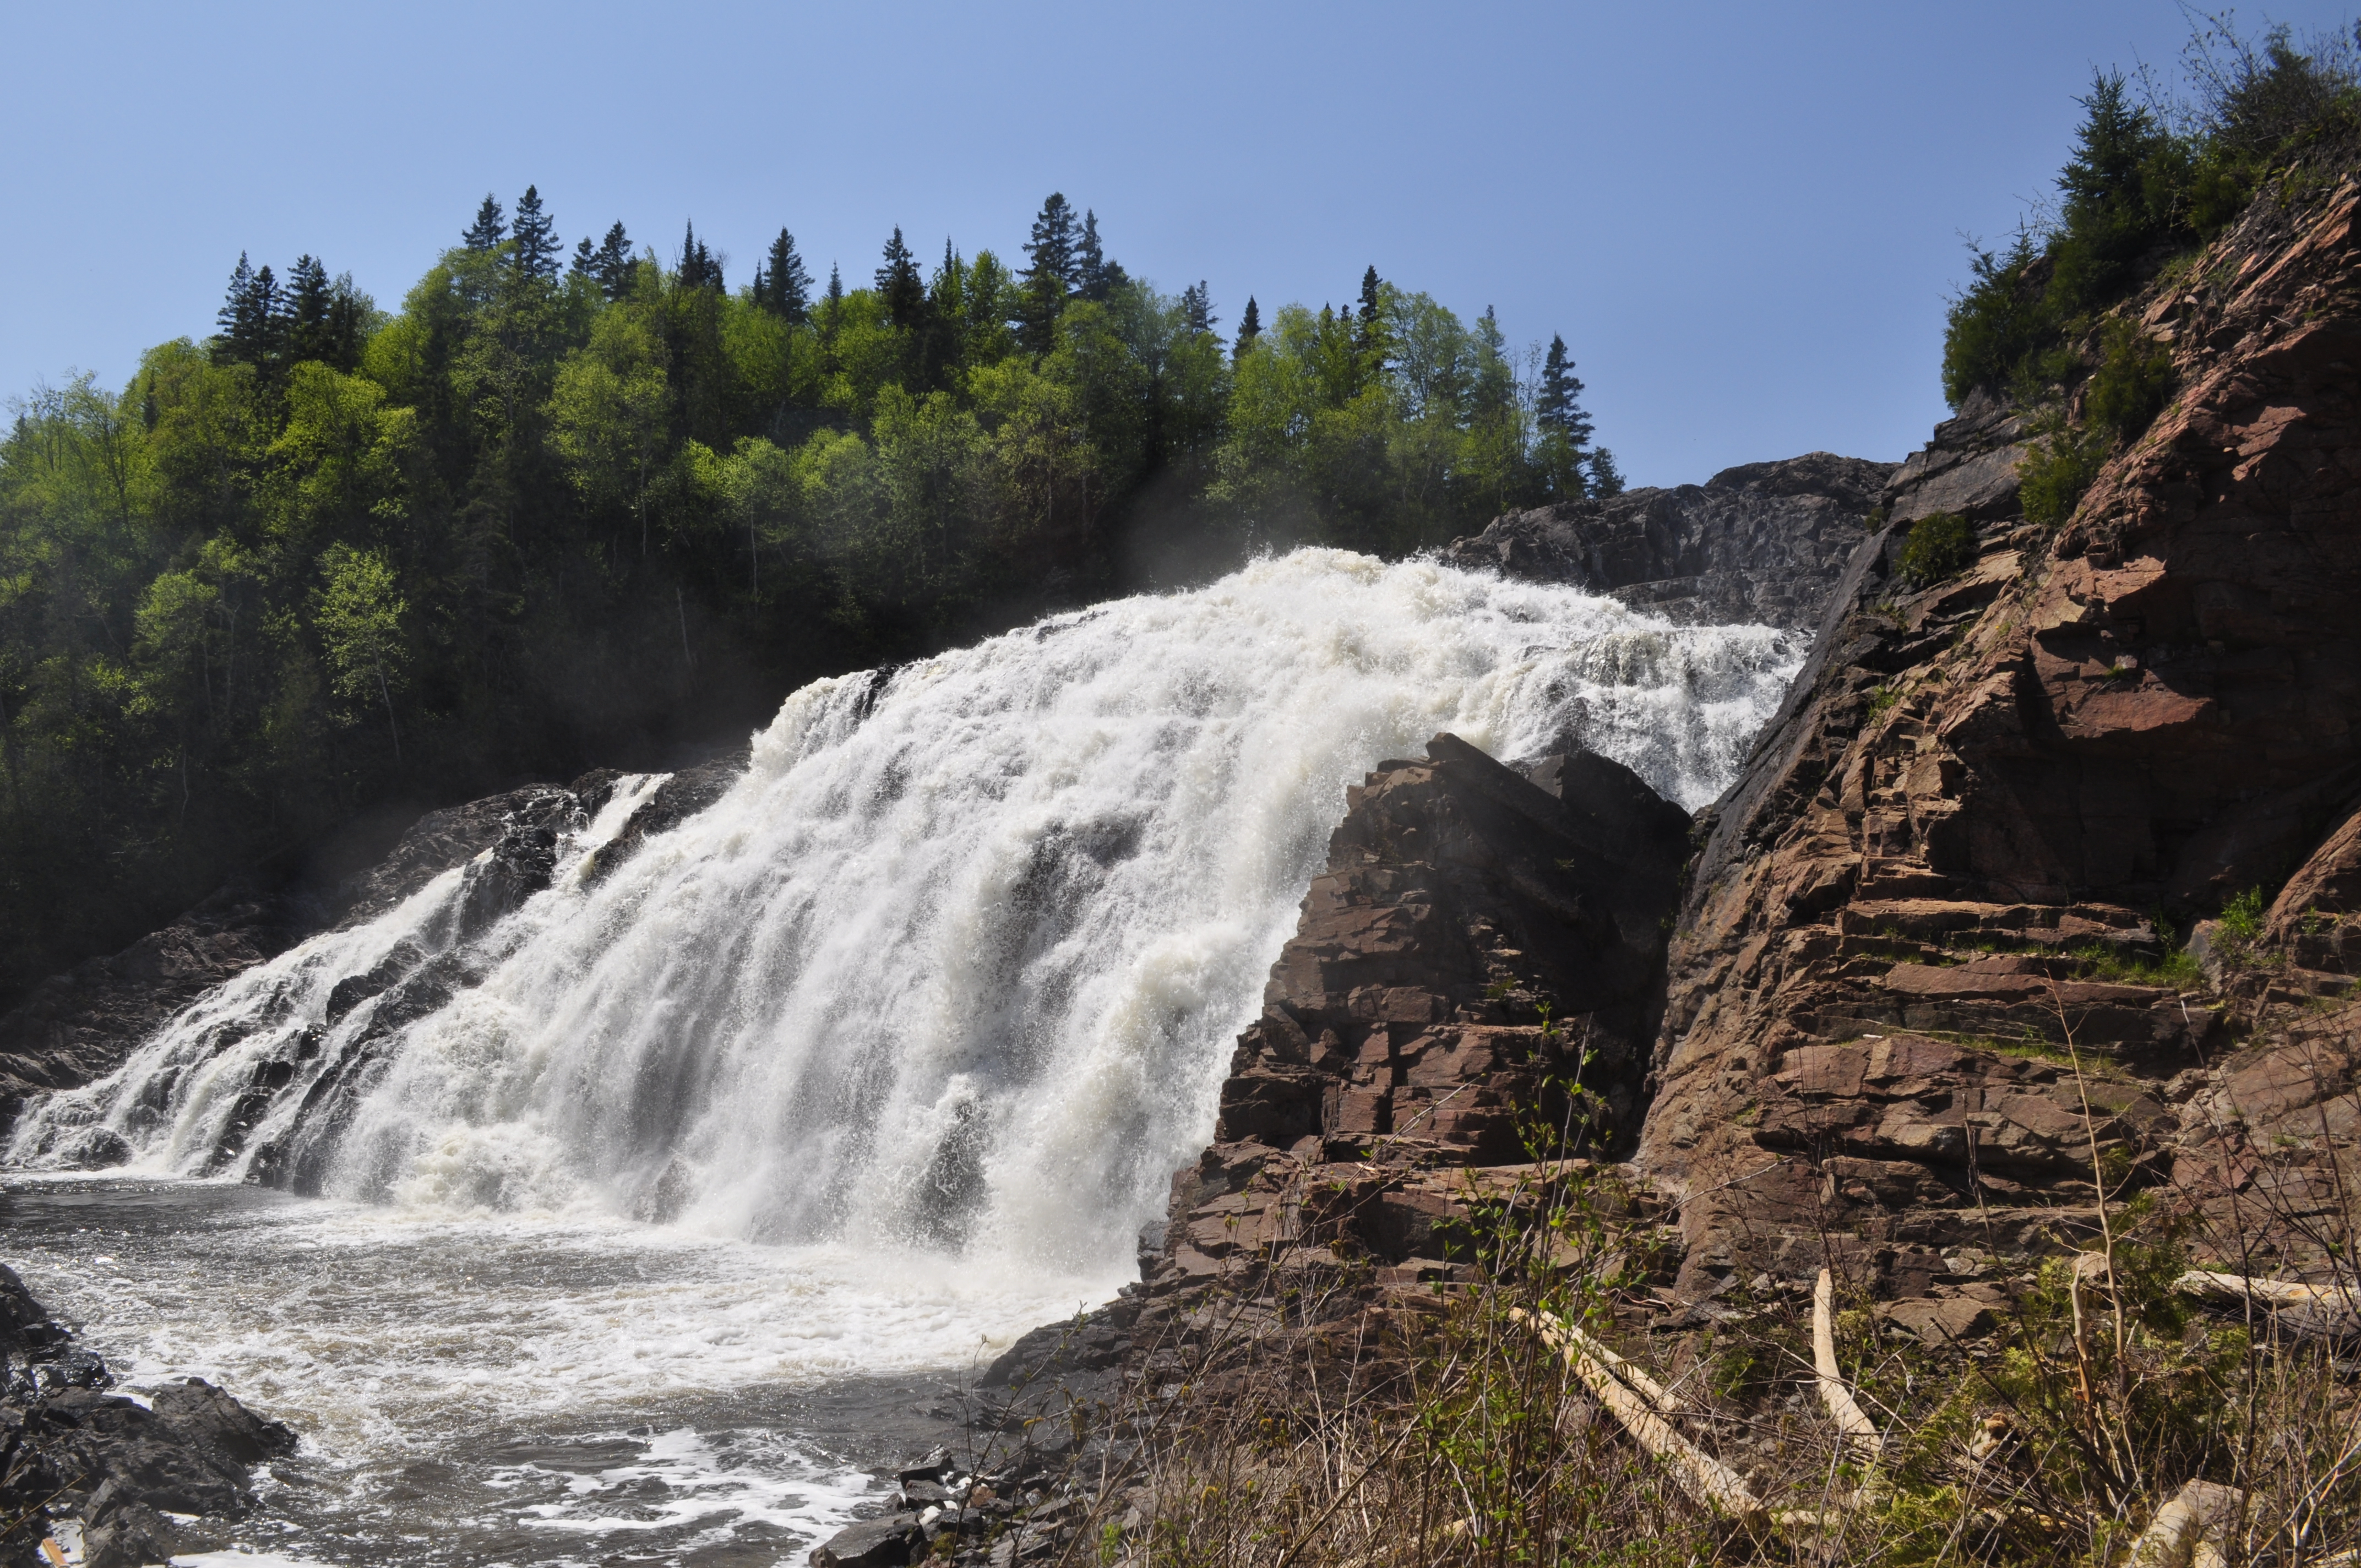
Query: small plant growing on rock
[[2055, 471], [1939, 546], [2242, 917], [2132, 382]]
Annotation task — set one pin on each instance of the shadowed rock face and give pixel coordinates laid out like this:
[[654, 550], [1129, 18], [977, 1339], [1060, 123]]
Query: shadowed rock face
[[1482, 938], [1764, 542], [1973, 780]]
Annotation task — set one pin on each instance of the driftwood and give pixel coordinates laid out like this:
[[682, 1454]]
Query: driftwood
[[1859, 1431], [1702, 1477], [2309, 1310], [2189, 1531]]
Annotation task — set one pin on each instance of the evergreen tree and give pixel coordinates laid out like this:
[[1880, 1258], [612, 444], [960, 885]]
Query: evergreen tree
[[1197, 307], [699, 269], [1606, 478], [610, 265], [489, 227], [1557, 406], [1095, 277], [310, 302], [536, 234], [786, 283], [1369, 325], [1052, 276], [1249, 328], [899, 285], [252, 317], [835, 290]]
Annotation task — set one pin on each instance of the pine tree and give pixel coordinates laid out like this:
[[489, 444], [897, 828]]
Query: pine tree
[[1369, 340], [308, 303], [1051, 248], [835, 290], [1197, 307], [609, 265], [786, 283], [1052, 276], [1557, 405], [1249, 328], [1606, 479], [536, 234], [489, 227], [899, 285], [698, 266], [252, 318], [1095, 277]]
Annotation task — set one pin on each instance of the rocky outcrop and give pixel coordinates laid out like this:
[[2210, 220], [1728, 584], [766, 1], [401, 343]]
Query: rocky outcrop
[[1474, 971], [116, 1466], [82, 1025], [1764, 542], [1925, 923]]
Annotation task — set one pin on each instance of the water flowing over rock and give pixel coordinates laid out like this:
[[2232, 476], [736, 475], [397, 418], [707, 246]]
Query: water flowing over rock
[[961, 942]]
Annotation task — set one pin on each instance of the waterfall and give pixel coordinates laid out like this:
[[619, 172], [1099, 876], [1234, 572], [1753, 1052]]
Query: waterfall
[[957, 963]]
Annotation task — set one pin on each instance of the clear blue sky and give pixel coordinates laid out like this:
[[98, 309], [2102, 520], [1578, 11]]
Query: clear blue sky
[[1745, 218]]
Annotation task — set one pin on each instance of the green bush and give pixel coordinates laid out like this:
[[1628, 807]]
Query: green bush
[[1939, 546], [2132, 382], [2054, 473], [2242, 917]]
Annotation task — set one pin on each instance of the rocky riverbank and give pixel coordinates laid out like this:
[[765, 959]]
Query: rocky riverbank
[[114, 1476]]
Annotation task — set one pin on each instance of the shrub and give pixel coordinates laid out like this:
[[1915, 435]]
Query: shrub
[[1939, 546], [2055, 471], [2242, 917], [2132, 382]]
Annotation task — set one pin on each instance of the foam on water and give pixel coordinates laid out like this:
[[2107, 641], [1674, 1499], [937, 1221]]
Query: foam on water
[[958, 962]]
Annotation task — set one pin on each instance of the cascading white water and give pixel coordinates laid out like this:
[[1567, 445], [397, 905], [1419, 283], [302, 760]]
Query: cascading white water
[[958, 962]]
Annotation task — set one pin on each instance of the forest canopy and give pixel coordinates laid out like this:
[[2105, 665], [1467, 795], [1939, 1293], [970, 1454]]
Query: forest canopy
[[563, 508]]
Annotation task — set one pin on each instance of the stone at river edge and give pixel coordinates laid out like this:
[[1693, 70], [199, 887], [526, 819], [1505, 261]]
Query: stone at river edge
[[1977, 780], [70, 1451]]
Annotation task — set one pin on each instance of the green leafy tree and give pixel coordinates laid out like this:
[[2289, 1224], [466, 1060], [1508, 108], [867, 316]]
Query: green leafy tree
[[358, 620]]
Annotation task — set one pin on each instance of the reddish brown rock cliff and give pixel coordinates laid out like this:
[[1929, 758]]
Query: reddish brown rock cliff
[[1985, 795]]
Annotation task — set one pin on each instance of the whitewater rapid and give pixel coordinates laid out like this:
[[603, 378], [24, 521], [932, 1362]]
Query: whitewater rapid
[[956, 966]]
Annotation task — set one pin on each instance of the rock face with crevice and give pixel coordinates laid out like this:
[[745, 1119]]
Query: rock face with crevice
[[1923, 922]]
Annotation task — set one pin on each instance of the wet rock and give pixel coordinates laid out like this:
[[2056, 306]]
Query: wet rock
[[204, 1415], [1764, 542], [675, 800], [889, 1543], [121, 1532]]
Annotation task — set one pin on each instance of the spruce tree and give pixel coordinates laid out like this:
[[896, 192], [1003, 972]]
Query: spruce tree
[[536, 234], [252, 319], [698, 266], [1052, 276], [1557, 405], [1370, 341], [610, 265], [1095, 275], [899, 285], [1197, 307], [489, 227], [308, 303], [1606, 478], [786, 283], [1249, 328]]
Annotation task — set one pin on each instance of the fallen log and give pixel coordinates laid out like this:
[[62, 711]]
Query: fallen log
[[1860, 1432], [2189, 1530], [1702, 1477]]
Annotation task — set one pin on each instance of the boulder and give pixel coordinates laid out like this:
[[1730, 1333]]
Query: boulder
[[888, 1542]]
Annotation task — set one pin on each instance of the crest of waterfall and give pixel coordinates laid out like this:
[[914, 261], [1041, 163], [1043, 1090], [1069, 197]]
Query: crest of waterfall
[[957, 962]]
